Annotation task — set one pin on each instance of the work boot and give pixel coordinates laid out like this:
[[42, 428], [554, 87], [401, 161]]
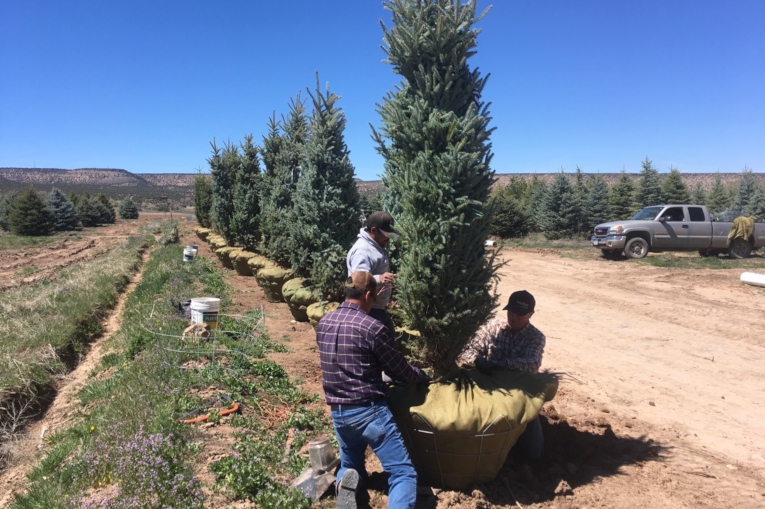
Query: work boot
[[346, 490]]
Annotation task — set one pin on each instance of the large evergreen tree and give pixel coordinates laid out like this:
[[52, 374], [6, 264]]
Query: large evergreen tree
[[649, 186], [699, 196], [282, 157], [127, 209], [747, 187], [223, 166], [325, 213], [597, 208], [202, 199], [535, 203], [673, 188], [435, 141], [89, 210], [245, 219], [6, 202], [580, 196], [717, 200], [62, 211], [510, 219], [621, 198], [756, 206], [107, 213], [562, 212], [29, 215]]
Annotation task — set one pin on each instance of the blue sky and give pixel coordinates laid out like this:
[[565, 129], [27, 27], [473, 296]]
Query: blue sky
[[146, 85]]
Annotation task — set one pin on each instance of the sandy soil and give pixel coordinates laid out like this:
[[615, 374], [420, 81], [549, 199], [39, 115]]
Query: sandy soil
[[661, 379]]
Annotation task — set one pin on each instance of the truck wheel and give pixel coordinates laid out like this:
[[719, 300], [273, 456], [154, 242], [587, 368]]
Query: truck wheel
[[612, 254], [739, 249], [706, 253], [636, 248]]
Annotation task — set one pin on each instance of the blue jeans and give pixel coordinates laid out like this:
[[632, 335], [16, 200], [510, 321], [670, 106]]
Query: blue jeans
[[531, 443], [374, 426]]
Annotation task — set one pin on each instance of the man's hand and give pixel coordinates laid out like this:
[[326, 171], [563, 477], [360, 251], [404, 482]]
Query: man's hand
[[485, 366], [387, 277]]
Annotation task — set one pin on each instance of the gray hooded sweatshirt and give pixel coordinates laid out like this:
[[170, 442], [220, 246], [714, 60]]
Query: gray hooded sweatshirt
[[368, 255]]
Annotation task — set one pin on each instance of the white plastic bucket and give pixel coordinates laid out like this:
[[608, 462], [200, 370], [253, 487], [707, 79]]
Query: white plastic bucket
[[195, 248], [752, 278], [490, 243], [205, 309], [188, 254]]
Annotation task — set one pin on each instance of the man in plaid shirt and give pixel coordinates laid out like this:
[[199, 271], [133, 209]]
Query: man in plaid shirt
[[354, 349], [516, 345]]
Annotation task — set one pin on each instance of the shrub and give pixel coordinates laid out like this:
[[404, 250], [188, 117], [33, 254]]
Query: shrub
[[127, 209], [29, 215], [62, 211]]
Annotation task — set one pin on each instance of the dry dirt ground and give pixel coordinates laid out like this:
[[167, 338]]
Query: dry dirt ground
[[659, 401]]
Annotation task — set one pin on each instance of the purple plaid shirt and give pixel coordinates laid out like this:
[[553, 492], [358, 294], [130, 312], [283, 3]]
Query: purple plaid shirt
[[354, 349]]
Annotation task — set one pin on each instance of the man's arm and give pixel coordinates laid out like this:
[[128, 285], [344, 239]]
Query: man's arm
[[528, 358], [478, 346], [393, 362], [357, 260]]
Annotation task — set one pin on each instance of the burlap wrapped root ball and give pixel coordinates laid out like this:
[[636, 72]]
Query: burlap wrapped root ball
[[318, 309], [232, 255], [222, 254], [459, 431], [258, 262], [271, 278], [216, 241], [298, 294], [241, 265], [202, 233]]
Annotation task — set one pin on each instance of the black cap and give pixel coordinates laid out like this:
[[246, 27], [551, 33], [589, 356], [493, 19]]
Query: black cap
[[382, 221], [521, 303]]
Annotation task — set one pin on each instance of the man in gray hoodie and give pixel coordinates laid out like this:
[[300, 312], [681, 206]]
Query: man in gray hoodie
[[368, 254]]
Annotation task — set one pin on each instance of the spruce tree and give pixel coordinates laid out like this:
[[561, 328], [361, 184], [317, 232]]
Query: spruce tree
[[223, 173], [717, 200], [699, 197], [202, 199], [108, 215], [747, 186], [673, 188], [6, 202], [621, 198], [62, 211], [756, 206], [29, 215], [282, 157], [88, 211], [649, 186], [580, 195], [127, 209], [535, 203], [597, 208], [510, 219], [324, 221], [245, 219], [435, 142], [562, 212]]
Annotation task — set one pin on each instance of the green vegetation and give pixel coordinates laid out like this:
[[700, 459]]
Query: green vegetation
[[28, 214], [127, 209], [18, 242], [62, 211], [128, 448], [202, 199]]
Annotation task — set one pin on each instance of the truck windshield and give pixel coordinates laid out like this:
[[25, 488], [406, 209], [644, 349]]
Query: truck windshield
[[647, 214]]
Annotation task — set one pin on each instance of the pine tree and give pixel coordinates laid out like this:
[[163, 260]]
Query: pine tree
[[699, 197], [245, 219], [597, 208], [108, 215], [435, 142], [717, 200], [282, 157], [756, 206], [535, 203], [580, 195], [62, 211], [325, 214], [510, 219], [747, 186], [673, 188], [127, 209], [6, 202], [621, 198], [29, 215], [88, 211], [202, 199], [562, 212], [223, 173], [649, 186]]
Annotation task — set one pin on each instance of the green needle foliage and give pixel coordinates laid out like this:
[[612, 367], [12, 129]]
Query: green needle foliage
[[245, 220], [673, 189], [5, 208], [649, 186], [718, 199], [435, 141], [597, 209], [561, 216], [203, 199], [62, 211], [621, 198], [747, 187], [756, 206], [29, 215], [223, 172], [108, 215], [127, 209], [325, 214], [699, 197]]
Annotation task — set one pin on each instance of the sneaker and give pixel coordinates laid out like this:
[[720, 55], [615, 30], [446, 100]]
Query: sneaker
[[346, 490]]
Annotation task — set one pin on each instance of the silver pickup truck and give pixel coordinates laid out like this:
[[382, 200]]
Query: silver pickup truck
[[673, 228]]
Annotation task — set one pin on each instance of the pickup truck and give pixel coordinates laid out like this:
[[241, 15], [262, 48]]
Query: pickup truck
[[673, 228]]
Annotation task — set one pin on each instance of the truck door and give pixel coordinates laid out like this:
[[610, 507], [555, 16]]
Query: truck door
[[671, 229], [699, 229]]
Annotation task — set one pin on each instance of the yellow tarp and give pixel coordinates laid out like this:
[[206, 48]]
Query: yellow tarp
[[459, 432], [743, 228]]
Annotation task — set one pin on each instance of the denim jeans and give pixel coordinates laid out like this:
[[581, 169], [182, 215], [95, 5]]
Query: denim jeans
[[531, 443], [374, 426]]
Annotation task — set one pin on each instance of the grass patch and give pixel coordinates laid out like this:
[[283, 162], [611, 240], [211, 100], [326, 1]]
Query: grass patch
[[16, 241], [129, 448], [538, 241], [694, 261]]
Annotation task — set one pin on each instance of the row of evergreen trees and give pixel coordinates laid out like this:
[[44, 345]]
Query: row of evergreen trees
[[27, 213], [572, 206], [302, 208]]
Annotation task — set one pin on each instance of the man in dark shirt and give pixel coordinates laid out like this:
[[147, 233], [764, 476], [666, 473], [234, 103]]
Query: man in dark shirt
[[354, 349]]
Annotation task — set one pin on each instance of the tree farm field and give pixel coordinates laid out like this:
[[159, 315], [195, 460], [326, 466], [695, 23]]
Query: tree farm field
[[659, 363]]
